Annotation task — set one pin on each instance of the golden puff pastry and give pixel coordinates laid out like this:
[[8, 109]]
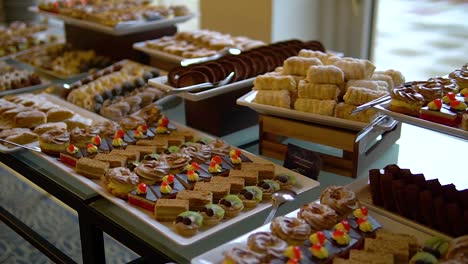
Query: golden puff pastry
[[355, 69], [369, 84], [280, 98], [325, 74], [380, 76], [274, 82], [314, 54], [318, 91], [299, 65], [343, 110], [315, 106], [359, 96], [397, 76]]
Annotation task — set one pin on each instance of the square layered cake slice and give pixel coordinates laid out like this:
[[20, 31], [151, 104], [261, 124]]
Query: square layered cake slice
[[219, 190], [266, 171], [236, 183], [197, 199], [169, 209], [250, 177]]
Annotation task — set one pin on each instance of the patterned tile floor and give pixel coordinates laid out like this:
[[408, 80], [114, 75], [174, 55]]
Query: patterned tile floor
[[422, 38]]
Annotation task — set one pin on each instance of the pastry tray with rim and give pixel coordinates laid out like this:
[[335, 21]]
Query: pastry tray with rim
[[248, 101], [161, 82], [157, 54], [452, 131], [58, 101], [215, 256], [118, 30], [304, 184]]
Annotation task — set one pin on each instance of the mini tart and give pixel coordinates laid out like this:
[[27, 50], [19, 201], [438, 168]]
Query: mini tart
[[267, 244], [285, 181], [82, 136], [251, 196], [231, 204], [219, 147], [292, 230], [188, 223], [120, 181], [197, 152], [268, 187], [340, 199], [176, 161], [212, 214], [318, 216]]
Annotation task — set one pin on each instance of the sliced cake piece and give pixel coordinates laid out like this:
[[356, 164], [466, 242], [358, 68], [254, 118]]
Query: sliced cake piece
[[250, 177], [91, 168], [169, 209], [399, 249], [144, 150], [132, 155], [219, 190], [266, 171], [113, 160], [371, 257], [411, 240], [236, 183], [197, 199], [160, 144]]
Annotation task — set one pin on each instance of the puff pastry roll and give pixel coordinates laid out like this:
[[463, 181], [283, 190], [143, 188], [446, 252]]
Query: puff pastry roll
[[280, 98], [369, 84], [315, 106], [359, 96], [397, 76], [380, 76], [318, 91], [355, 69], [343, 110], [274, 82], [299, 65], [325, 74], [314, 54]]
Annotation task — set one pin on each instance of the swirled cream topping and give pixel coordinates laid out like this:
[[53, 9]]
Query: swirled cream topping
[[56, 136], [406, 94], [176, 160], [197, 151], [294, 228], [318, 216], [266, 242], [219, 147]]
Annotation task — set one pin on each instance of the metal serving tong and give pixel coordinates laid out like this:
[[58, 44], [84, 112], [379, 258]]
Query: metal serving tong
[[370, 104], [36, 149], [205, 85], [225, 51]]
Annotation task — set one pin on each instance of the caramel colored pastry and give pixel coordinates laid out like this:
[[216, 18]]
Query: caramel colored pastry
[[292, 230], [41, 129], [340, 199], [250, 177], [266, 171], [313, 54], [113, 160], [325, 74], [397, 77], [382, 76], [54, 141], [30, 119], [299, 65], [22, 138], [11, 113], [343, 110], [219, 147], [172, 140], [242, 255], [375, 85], [144, 150], [361, 256], [429, 90], [279, 98], [318, 216], [78, 121], [355, 69], [314, 106], [152, 171], [461, 77], [58, 114], [199, 153], [13, 131], [91, 168], [81, 137], [237, 184], [359, 96], [120, 181], [176, 161], [160, 144], [406, 100], [448, 84], [219, 190], [410, 239], [169, 209], [317, 91], [267, 244], [197, 199], [274, 82]]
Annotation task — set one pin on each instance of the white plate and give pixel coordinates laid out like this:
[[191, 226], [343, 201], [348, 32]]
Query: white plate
[[117, 30], [56, 100], [161, 82], [248, 100], [158, 54], [216, 256], [453, 131]]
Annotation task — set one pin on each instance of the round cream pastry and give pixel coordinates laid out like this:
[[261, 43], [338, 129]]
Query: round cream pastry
[[152, 171], [120, 181]]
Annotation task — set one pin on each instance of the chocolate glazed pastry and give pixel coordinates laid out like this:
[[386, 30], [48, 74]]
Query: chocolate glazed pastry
[[191, 78]]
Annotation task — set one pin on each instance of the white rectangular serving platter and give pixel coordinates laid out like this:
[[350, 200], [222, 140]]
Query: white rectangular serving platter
[[161, 82], [118, 30], [248, 100], [165, 229], [453, 131], [389, 222], [157, 54]]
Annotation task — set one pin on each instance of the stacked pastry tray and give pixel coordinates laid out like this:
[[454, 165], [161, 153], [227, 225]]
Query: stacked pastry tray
[[45, 81], [303, 185]]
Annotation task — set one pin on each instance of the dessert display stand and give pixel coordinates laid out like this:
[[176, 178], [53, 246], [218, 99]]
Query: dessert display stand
[[359, 147]]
